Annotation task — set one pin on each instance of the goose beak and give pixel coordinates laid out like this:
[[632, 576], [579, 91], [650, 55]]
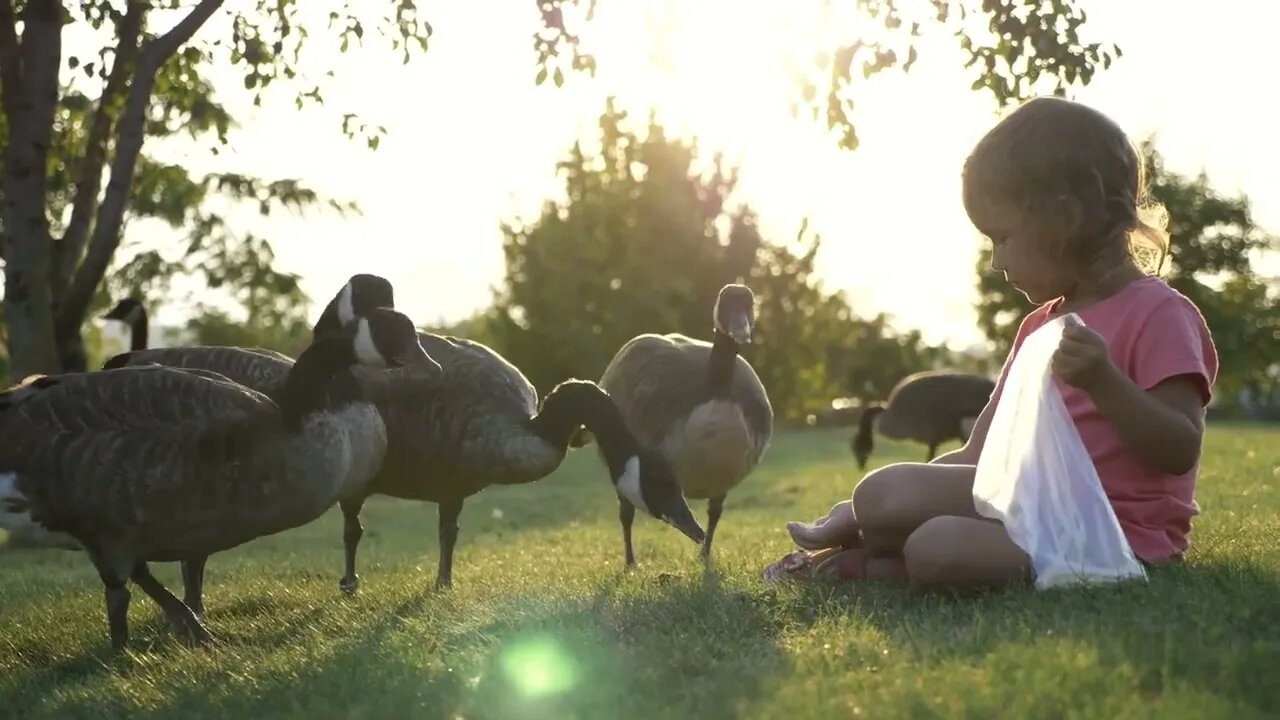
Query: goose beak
[[740, 330]]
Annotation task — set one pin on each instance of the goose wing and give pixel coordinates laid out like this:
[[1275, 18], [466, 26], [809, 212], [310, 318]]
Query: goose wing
[[142, 451], [467, 414], [657, 380], [257, 368]]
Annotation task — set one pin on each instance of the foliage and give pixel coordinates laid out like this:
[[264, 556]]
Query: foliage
[[68, 117], [1013, 48], [642, 241], [543, 623], [1213, 243]]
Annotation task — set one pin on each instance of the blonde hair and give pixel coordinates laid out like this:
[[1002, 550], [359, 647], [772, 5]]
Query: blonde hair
[[1050, 148]]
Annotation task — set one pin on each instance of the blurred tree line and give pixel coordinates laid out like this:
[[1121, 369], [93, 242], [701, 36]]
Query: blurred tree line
[[642, 240], [1214, 245]]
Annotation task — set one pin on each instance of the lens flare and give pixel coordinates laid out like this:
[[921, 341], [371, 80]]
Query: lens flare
[[538, 667]]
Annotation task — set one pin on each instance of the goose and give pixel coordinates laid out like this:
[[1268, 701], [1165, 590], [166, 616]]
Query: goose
[[699, 403], [157, 464], [930, 407], [264, 371], [478, 424], [133, 314]]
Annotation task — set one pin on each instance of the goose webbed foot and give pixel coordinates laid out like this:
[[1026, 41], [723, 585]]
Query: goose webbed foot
[[349, 585], [181, 618]]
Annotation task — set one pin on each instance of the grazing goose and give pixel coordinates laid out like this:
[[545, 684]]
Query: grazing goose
[[156, 464], [479, 424], [700, 404], [930, 407], [261, 370]]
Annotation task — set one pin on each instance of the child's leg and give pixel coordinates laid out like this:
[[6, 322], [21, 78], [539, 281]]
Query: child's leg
[[962, 553], [890, 503], [956, 553]]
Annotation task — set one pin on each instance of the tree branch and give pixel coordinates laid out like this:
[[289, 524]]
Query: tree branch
[[89, 174], [130, 133], [10, 61]]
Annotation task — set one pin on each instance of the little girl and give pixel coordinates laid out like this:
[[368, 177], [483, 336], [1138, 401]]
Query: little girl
[[1060, 191]]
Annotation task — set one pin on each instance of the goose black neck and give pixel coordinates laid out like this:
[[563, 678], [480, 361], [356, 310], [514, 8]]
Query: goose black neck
[[328, 322], [724, 356], [319, 379], [138, 331], [575, 403]]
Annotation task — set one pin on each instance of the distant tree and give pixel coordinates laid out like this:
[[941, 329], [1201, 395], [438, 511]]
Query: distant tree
[[644, 239], [68, 113], [1213, 244], [1014, 49]]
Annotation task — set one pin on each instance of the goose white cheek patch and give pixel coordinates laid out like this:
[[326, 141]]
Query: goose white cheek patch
[[346, 310], [629, 484], [366, 351]]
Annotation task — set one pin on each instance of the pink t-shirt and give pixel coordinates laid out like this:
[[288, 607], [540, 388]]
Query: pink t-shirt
[[1154, 333]]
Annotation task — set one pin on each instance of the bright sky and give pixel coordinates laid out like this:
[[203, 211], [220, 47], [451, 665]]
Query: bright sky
[[472, 141]]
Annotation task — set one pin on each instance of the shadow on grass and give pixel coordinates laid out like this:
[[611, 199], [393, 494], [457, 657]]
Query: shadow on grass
[[700, 648], [1215, 627]]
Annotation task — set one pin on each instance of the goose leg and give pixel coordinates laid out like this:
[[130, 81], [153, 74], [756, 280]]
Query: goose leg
[[627, 515], [181, 618], [117, 596], [352, 531], [714, 507], [449, 512], [193, 584], [933, 452]]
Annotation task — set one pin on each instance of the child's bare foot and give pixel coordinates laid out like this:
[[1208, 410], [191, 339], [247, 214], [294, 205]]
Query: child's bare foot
[[837, 529]]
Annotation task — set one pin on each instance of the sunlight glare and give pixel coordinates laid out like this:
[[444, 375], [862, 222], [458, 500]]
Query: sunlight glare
[[539, 667]]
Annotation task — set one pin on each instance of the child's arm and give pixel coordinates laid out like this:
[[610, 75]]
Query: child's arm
[[1163, 426], [972, 449]]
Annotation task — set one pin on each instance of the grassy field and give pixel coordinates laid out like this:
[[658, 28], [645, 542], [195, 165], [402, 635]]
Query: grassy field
[[543, 623]]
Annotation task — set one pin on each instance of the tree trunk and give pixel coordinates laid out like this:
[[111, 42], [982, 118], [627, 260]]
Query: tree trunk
[[71, 353], [28, 310], [30, 98]]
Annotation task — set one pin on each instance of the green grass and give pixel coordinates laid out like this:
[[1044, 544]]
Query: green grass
[[542, 622]]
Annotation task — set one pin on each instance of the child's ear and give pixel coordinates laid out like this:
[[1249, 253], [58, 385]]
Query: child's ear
[[1070, 213]]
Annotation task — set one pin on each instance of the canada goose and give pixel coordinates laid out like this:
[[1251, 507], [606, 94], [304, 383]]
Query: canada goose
[[264, 371], [930, 407], [133, 314], [479, 424], [157, 464], [700, 404]]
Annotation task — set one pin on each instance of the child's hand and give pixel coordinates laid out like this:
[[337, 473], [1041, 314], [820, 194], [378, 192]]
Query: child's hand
[[1082, 358]]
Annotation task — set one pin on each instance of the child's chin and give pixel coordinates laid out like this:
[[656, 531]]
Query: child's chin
[[1038, 298]]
